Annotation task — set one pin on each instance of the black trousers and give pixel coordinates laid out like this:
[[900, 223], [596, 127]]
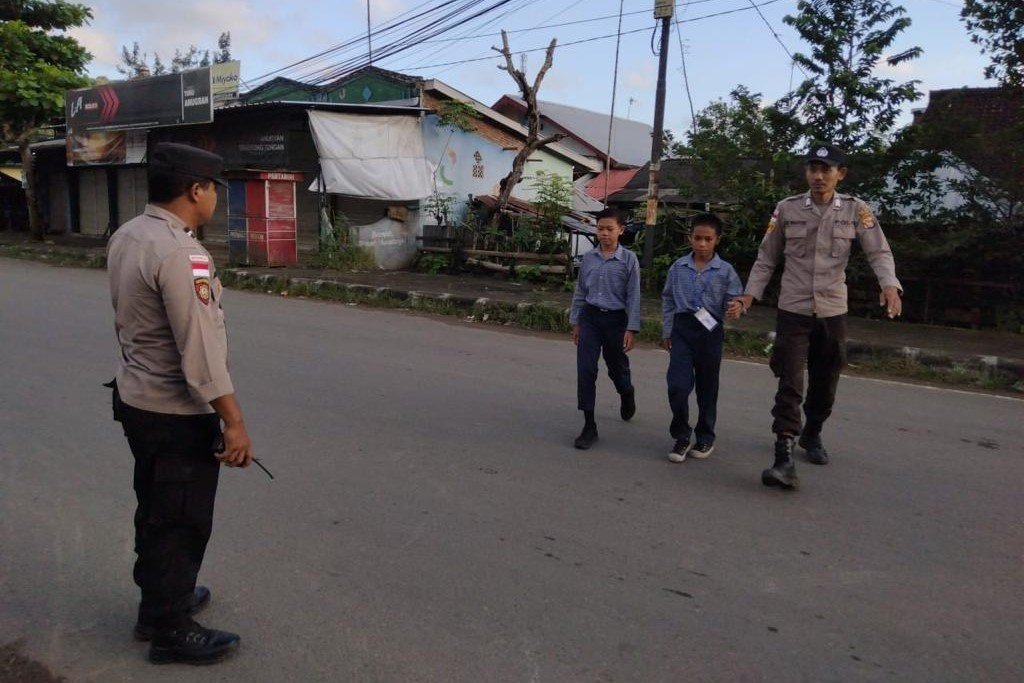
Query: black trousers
[[695, 361], [819, 344], [601, 332], [175, 485]]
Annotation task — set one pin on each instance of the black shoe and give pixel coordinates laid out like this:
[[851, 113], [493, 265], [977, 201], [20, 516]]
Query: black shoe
[[628, 407], [680, 450], [192, 644], [702, 450], [816, 453], [783, 472], [200, 599], [587, 437]]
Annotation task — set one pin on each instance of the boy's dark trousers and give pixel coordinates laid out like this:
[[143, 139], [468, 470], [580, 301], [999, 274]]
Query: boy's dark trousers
[[695, 359], [600, 331], [175, 484], [820, 345]]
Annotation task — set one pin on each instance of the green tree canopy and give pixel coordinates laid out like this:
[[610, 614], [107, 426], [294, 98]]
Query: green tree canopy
[[842, 98], [135, 62], [38, 63], [998, 27], [742, 154]]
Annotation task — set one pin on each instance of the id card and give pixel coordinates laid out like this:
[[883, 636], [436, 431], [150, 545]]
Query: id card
[[705, 318]]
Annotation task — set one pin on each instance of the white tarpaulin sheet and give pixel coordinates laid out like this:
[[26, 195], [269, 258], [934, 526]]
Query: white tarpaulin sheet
[[380, 157]]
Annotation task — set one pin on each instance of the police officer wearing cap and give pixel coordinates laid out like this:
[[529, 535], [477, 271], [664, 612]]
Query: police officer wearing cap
[[171, 393], [812, 234]]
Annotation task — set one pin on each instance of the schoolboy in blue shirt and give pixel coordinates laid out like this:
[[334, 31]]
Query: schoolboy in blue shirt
[[696, 300], [604, 316]]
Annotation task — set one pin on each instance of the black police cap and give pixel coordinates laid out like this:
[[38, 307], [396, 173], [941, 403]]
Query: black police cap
[[188, 161], [826, 154]]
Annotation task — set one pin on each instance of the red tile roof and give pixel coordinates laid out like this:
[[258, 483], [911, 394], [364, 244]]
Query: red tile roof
[[617, 179]]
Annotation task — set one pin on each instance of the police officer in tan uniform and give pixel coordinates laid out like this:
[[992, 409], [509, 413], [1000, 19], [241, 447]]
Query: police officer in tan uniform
[[171, 393], [812, 233]]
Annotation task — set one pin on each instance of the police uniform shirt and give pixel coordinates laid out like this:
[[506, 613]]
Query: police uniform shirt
[[168, 317], [816, 242]]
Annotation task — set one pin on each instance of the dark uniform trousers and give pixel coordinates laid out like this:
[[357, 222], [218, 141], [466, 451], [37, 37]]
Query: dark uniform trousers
[[600, 332], [175, 485], [695, 360], [820, 345]]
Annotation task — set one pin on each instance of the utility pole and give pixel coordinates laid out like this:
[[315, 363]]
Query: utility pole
[[369, 31], [663, 10]]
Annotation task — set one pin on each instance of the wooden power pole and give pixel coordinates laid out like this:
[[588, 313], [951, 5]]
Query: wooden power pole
[[663, 10]]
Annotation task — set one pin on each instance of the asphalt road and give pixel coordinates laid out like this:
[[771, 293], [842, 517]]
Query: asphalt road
[[430, 520]]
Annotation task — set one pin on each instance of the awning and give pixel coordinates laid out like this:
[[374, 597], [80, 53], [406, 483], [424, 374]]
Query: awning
[[13, 172], [378, 157]]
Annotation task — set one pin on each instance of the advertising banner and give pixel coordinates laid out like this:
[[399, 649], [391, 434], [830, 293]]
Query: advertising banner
[[104, 148], [168, 100], [224, 82]]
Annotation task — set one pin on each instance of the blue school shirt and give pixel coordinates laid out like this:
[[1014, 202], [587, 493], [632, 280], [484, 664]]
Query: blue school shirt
[[611, 283], [686, 290]]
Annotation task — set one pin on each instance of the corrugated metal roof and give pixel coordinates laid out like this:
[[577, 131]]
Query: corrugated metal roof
[[396, 107], [631, 140]]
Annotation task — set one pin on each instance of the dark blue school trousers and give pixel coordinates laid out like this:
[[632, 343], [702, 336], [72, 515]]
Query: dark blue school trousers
[[601, 331], [696, 359]]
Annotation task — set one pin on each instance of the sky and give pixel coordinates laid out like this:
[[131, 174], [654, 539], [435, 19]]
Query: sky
[[721, 52]]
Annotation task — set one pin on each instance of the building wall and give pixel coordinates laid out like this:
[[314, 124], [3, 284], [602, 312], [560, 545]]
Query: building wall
[[471, 163], [94, 207]]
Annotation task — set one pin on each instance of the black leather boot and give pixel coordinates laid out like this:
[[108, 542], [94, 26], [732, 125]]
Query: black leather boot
[[200, 599], [783, 472], [192, 644], [810, 441]]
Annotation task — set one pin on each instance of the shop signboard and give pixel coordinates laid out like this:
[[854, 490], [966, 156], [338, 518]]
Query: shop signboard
[[169, 100]]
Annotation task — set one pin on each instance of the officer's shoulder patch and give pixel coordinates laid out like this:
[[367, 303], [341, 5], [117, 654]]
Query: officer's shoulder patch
[[866, 218], [773, 222], [202, 286]]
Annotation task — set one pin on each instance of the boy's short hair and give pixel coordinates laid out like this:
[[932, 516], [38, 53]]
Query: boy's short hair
[[708, 219], [611, 212]]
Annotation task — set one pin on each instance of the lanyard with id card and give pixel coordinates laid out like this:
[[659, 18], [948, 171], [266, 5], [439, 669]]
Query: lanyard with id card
[[701, 314]]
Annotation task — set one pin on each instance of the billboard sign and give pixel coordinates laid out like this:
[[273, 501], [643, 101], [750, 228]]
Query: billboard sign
[[106, 147], [225, 78], [169, 100]]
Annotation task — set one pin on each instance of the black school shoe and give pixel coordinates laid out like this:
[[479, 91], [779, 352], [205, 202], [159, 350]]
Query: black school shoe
[[192, 644], [627, 408], [816, 453], [587, 437], [783, 472], [200, 599], [702, 450]]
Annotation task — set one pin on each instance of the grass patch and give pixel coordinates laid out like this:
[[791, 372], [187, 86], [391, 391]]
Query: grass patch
[[55, 256]]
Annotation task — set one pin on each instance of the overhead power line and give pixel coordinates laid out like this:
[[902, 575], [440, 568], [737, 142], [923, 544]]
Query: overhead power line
[[604, 37], [778, 38]]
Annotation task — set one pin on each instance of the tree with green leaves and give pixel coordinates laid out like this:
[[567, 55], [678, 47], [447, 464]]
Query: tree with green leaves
[[741, 153], [998, 27], [135, 63], [38, 63], [842, 98]]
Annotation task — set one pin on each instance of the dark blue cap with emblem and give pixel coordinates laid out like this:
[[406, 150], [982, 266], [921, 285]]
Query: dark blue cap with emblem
[[188, 161], [826, 154]]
